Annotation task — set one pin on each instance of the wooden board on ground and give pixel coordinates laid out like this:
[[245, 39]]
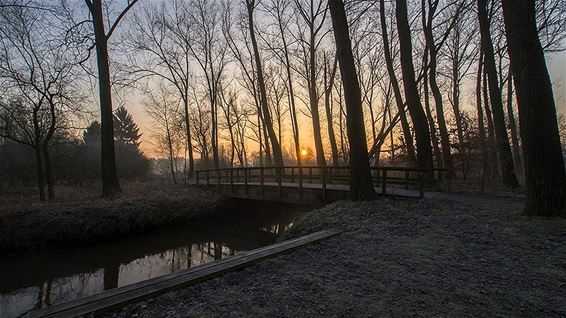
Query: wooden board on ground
[[145, 289]]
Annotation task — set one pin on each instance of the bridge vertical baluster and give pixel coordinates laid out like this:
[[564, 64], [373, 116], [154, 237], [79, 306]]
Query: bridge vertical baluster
[[280, 180], [231, 180], [384, 183], [292, 175], [406, 179], [310, 174], [207, 178], [197, 174], [246, 179], [261, 180], [218, 177], [301, 182]]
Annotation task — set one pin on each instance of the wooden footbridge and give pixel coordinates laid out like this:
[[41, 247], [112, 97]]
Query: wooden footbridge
[[297, 184]]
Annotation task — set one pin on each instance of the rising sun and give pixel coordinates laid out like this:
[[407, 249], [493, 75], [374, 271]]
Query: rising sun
[[304, 152]]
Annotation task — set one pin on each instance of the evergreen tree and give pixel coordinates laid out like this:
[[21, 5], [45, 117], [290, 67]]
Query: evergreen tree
[[125, 129], [91, 135]]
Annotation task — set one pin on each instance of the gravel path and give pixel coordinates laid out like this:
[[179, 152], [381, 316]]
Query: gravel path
[[398, 258]]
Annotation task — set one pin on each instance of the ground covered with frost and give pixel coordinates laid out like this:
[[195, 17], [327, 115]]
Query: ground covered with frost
[[449, 256]]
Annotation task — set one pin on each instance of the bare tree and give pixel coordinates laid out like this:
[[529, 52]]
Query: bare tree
[[110, 182], [504, 149], [209, 49], [39, 78], [163, 109], [361, 186], [279, 45], [310, 34], [408, 138], [433, 45], [276, 147], [545, 173], [422, 133], [160, 38]]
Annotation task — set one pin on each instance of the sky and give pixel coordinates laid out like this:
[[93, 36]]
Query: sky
[[556, 63]]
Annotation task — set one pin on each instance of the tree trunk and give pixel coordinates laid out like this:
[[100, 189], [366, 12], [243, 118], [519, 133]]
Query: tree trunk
[[189, 139], [503, 147], [422, 133], [328, 83], [277, 155], [545, 174], [313, 103], [361, 185], [491, 144], [38, 159], [517, 160], [396, 90], [430, 118], [437, 95], [110, 182], [486, 169]]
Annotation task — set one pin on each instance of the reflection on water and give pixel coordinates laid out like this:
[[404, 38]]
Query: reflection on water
[[38, 280]]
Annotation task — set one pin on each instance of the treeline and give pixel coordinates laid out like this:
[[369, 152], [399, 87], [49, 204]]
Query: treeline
[[432, 84], [76, 160]]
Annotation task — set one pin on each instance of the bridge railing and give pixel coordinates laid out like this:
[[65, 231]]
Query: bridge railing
[[383, 177]]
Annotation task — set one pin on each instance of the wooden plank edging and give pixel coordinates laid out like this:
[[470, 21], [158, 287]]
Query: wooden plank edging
[[148, 288]]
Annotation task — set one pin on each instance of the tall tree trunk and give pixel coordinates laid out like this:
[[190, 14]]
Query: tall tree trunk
[[189, 138], [430, 118], [110, 181], [486, 169], [328, 84], [504, 149], [45, 148], [396, 90], [361, 185], [545, 174], [517, 160], [422, 133], [437, 95], [291, 92], [313, 105], [277, 154], [48, 175], [491, 143], [37, 151]]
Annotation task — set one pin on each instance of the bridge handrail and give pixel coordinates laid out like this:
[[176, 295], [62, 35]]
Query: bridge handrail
[[381, 177]]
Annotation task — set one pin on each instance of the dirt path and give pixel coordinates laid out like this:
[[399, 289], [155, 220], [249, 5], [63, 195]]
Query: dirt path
[[447, 256]]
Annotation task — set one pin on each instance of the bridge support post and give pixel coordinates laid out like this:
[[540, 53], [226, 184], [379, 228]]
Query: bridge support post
[[231, 180], [280, 180], [310, 174], [207, 178], [301, 182], [261, 180], [246, 179]]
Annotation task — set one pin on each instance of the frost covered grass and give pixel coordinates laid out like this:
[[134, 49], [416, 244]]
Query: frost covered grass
[[454, 256], [87, 218]]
